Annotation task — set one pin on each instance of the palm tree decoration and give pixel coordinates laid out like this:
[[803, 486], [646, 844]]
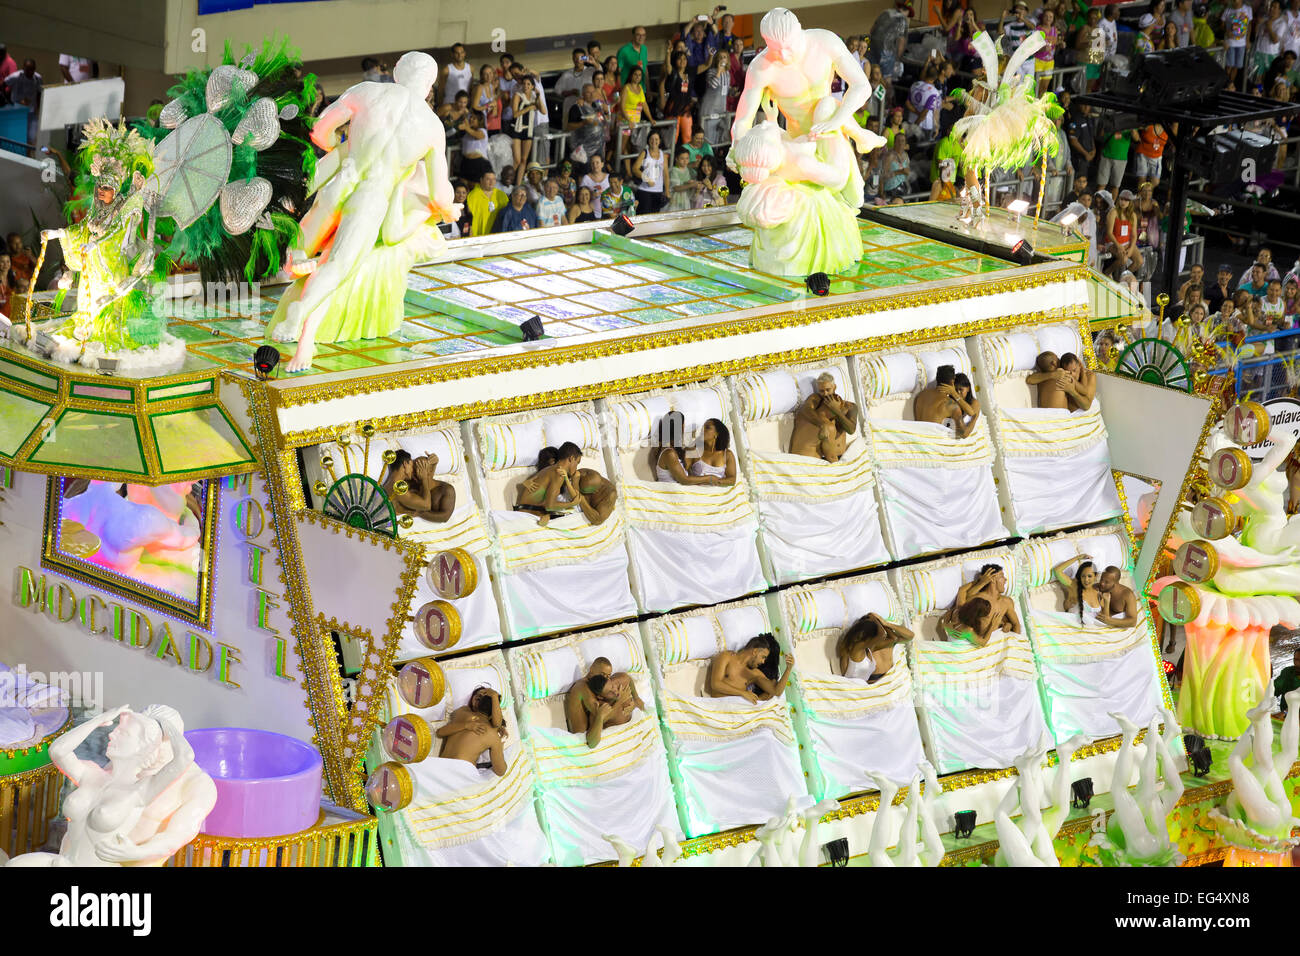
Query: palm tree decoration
[[1042, 131], [1000, 135]]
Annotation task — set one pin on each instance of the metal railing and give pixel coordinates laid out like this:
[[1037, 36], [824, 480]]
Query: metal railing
[[1267, 376]]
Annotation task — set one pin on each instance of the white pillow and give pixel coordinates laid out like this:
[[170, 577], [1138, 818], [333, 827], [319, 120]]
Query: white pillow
[[818, 608], [638, 420], [1106, 550], [1035, 559], [935, 588], [698, 405], [763, 394], [355, 462], [808, 381], [864, 597], [511, 445], [885, 375], [1024, 349], [740, 624], [621, 648], [577, 427], [953, 356], [688, 639], [439, 442], [1059, 339], [463, 681], [551, 671]]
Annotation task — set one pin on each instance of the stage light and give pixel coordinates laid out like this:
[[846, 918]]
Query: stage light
[[532, 328], [819, 283], [837, 851], [1022, 252], [622, 225], [963, 824], [1018, 207], [1081, 791], [265, 359]]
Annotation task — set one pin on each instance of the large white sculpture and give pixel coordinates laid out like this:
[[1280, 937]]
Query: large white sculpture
[[147, 803], [1031, 842], [1257, 815], [379, 199], [919, 841], [1137, 833], [803, 186]]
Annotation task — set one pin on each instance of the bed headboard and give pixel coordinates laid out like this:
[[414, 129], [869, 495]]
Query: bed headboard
[[443, 440], [1107, 546], [508, 445]]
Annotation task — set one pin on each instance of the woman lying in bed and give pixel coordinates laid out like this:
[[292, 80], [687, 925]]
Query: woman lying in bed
[[866, 649], [425, 496], [981, 608], [560, 484], [474, 728], [1093, 603], [670, 457], [750, 672]]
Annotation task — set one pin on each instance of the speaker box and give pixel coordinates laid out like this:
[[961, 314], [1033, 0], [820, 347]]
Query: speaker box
[[1178, 77]]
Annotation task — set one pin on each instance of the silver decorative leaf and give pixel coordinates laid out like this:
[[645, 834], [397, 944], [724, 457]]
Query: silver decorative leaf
[[264, 221], [289, 112], [241, 203], [191, 165], [259, 123], [172, 115], [223, 81], [248, 60]]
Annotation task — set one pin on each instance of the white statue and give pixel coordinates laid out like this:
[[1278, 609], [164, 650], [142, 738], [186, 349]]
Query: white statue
[[804, 217], [1257, 814], [650, 857], [1030, 843], [140, 809], [378, 200], [778, 844], [1137, 834], [919, 842]]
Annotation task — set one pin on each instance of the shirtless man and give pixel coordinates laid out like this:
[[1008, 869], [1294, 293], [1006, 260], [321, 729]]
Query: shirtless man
[[426, 496], [733, 673], [474, 728], [796, 69], [941, 403], [824, 422], [540, 494], [594, 494], [1119, 604], [1056, 386], [991, 585], [1084, 380], [363, 186]]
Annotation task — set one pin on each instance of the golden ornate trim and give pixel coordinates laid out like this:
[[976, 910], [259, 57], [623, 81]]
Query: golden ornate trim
[[347, 840]]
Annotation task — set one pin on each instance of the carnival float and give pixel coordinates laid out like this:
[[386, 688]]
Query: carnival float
[[799, 537]]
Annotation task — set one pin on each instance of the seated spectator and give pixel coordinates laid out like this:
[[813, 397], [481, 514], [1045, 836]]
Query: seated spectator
[[1291, 298], [669, 459], [1121, 235], [551, 210], [1257, 282], [944, 188], [923, 102], [618, 198], [866, 648], [474, 728], [896, 170], [1222, 289], [823, 423], [1264, 258], [942, 403], [21, 261], [1196, 277], [582, 209], [698, 147], [518, 214], [425, 496], [682, 185], [1080, 187], [568, 187], [485, 202], [534, 179], [894, 127], [6, 284], [373, 71], [750, 673], [453, 114], [651, 168], [1281, 69], [474, 160], [465, 224], [507, 177], [1193, 295], [711, 185]]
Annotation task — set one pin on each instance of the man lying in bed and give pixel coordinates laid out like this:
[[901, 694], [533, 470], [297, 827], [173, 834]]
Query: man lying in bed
[[948, 402], [600, 699], [1058, 386], [561, 484], [750, 672], [474, 728], [981, 608], [425, 496], [824, 422], [1085, 383], [1119, 609]]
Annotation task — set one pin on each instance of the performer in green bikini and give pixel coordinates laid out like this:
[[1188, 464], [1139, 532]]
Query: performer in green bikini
[[583, 488], [981, 608]]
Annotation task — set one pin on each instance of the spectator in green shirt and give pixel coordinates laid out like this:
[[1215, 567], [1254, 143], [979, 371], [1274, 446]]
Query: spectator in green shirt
[[1114, 159], [634, 54], [697, 147]]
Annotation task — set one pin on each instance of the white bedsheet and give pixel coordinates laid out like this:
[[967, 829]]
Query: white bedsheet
[[885, 741], [620, 788], [570, 595], [1049, 492], [934, 509], [738, 762], [811, 539], [679, 568]]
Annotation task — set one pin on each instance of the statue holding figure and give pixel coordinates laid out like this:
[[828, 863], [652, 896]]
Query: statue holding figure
[[140, 809], [379, 198], [806, 185]]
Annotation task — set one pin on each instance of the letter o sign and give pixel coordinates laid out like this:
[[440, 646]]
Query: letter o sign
[[437, 625], [1230, 468]]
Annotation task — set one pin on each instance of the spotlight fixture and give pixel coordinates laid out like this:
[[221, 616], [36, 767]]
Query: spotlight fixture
[[963, 824], [265, 359], [1081, 793], [819, 283], [1066, 221], [1018, 207], [622, 225], [531, 328], [1198, 754], [1022, 252], [837, 851], [107, 366]]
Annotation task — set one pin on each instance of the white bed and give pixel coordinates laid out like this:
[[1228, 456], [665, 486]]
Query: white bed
[[734, 763], [622, 786], [466, 528], [690, 544], [460, 814], [569, 573], [1088, 673], [936, 490], [815, 517], [979, 706], [849, 727], [1056, 463]]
